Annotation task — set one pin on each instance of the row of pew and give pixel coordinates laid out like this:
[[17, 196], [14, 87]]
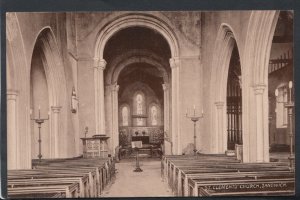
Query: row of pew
[[221, 175], [61, 178]]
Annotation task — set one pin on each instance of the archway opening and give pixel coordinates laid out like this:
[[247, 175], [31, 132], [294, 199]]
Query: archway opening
[[280, 73], [39, 105], [234, 102], [141, 116], [138, 64]]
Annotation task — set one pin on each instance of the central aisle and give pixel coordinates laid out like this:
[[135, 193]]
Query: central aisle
[[138, 184]]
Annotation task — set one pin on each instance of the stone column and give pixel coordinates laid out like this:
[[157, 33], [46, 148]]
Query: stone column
[[259, 90], [55, 131], [115, 117], [219, 140], [166, 117], [174, 63], [12, 137], [99, 66]]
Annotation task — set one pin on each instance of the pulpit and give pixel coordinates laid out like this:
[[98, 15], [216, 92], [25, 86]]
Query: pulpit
[[95, 147]]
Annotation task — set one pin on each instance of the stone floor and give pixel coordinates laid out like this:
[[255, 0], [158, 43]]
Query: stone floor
[[138, 184]]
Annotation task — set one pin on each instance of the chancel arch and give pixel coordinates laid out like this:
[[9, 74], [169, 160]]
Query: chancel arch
[[143, 22], [145, 58]]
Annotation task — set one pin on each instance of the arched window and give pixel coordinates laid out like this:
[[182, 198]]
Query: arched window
[[281, 110], [139, 108], [139, 104], [125, 114], [154, 117]]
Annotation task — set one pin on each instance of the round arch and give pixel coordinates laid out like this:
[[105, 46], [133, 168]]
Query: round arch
[[131, 20], [135, 56]]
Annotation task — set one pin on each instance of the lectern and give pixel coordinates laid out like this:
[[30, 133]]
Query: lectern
[[95, 147]]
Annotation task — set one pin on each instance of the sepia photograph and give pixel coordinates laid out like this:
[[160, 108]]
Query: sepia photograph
[[166, 103]]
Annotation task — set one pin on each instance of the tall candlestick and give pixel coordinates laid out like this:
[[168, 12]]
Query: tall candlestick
[[194, 119]]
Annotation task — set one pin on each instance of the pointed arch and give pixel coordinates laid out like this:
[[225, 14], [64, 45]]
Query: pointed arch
[[56, 82], [255, 57], [224, 45]]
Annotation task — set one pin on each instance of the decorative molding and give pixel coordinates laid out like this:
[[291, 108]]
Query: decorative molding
[[174, 62], [259, 88], [99, 63], [165, 86], [219, 104], [55, 109]]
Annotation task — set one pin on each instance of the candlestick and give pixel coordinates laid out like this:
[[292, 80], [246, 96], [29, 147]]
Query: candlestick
[[289, 104], [194, 119], [40, 121]]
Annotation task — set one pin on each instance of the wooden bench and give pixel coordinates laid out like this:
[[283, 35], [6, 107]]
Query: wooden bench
[[72, 177], [242, 187], [83, 189], [67, 190], [181, 171], [84, 180]]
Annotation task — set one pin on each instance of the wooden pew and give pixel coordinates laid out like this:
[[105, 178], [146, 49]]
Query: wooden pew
[[83, 189], [105, 168], [56, 177], [67, 190], [178, 170], [242, 187], [61, 176]]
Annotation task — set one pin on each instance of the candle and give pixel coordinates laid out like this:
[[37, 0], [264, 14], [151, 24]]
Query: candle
[[30, 111], [39, 107], [276, 92], [186, 111], [202, 111], [290, 84], [194, 110]]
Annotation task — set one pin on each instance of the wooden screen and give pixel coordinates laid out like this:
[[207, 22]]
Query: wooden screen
[[234, 102]]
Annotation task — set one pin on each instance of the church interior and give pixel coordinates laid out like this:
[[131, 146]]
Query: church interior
[[160, 103]]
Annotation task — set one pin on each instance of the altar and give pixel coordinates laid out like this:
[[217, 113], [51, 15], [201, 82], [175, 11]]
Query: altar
[[151, 137]]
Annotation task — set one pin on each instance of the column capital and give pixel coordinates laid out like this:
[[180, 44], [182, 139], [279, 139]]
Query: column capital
[[259, 88], [174, 62], [11, 94], [219, 104], [165, 86], [55, 109], [115, 87], [99, 63]]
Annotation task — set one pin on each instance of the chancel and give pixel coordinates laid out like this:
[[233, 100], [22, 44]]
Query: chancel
[[200, 103]]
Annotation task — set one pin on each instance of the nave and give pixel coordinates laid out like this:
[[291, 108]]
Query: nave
[[197, 175]]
